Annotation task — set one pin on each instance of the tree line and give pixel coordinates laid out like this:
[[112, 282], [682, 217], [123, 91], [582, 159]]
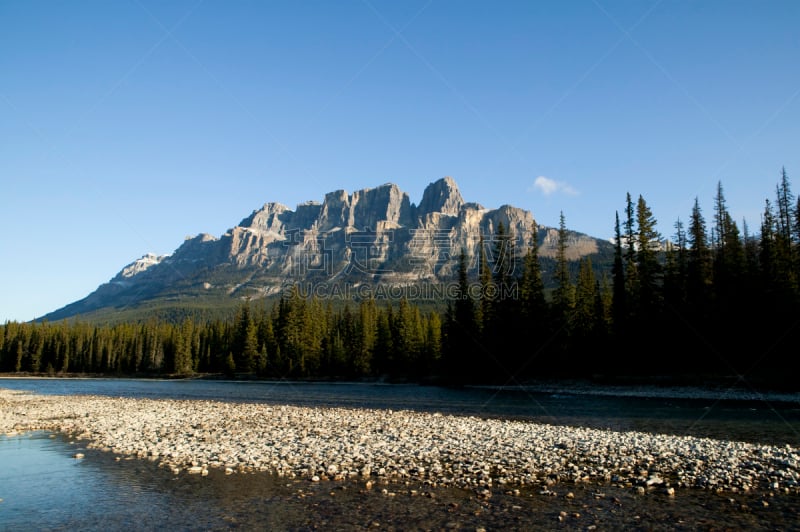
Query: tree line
[[713, 299], [297, 337]]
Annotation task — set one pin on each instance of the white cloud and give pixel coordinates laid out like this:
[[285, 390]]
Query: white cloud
[[548, 186]]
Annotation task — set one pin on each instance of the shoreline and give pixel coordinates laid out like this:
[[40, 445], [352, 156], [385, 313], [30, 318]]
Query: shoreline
[[650, 389], [373, 446]]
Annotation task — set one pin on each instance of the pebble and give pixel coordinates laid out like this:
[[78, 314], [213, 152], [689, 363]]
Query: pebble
[[397, 445]]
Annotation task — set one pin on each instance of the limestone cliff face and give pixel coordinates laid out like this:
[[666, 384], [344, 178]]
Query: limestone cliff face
[[375, 235], [577, 245], [442, 197]]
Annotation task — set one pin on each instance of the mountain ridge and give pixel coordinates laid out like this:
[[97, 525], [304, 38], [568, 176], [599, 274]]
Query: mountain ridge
[[370, 237]]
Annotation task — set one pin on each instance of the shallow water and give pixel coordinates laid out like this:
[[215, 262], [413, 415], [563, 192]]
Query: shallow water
[[43, 487]]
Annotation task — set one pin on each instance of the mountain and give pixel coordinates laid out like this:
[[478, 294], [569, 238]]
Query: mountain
[[373, 242]]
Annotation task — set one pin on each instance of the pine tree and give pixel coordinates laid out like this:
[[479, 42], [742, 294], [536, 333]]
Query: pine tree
[[605, 298], [498, 330], [532, 297], [768, 253], [504, 262], [433, 343], [796, 239], [461, 327], [182, 361], [483, 313], [583, 318], [750, 253], [384, 346], [563, 296], [675, 269], [619, 307], [629, 225], [245, 351], [631, 259], [785, 204], [466, 320], [728, 252], [367, 326], [648, 241], [698, 282], [783, 236]]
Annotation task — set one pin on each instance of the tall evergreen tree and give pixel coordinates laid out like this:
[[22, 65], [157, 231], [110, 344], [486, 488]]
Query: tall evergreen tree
[[532, 296], [750, 253], [183, 348], [245, 350], [648, 241], [583, 314], [563, 295], [499, 330], [619, 307], [768, 253], [675, 269], [728, 251], [483, 314], [504, 265], [534, 316], [698, 283], [631, 259], [460, 357], [785, 208], [384, 345], [783, 236]]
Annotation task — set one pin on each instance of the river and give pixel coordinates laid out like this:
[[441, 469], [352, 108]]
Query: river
[[43, 487]]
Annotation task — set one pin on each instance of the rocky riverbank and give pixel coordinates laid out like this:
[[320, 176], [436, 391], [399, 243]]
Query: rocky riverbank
[[378, 446]]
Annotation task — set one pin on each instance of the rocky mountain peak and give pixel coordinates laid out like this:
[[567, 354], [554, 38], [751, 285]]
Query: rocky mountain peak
[[270, 217], [365, 209], [138, 266], [441, 196]]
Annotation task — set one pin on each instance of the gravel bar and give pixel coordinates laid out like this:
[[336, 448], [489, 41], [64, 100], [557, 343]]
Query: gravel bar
[[372, 445]]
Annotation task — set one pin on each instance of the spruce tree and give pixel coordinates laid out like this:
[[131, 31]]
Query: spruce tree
[[675, 269], [246, 346], [563, 295], [461, 328], [783, 236], [532, 297], [483, 314], [583, 318], [648, 242], [499, 329], [504, 261], [631, 259], [698, 283], [619, 307]]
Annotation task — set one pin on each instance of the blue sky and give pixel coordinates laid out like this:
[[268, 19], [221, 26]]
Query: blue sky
[[126, 126]]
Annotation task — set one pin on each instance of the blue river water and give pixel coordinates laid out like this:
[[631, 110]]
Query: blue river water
[[43, 487]]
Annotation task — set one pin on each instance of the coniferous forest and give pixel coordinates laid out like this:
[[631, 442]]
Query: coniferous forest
[[713, 299]]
